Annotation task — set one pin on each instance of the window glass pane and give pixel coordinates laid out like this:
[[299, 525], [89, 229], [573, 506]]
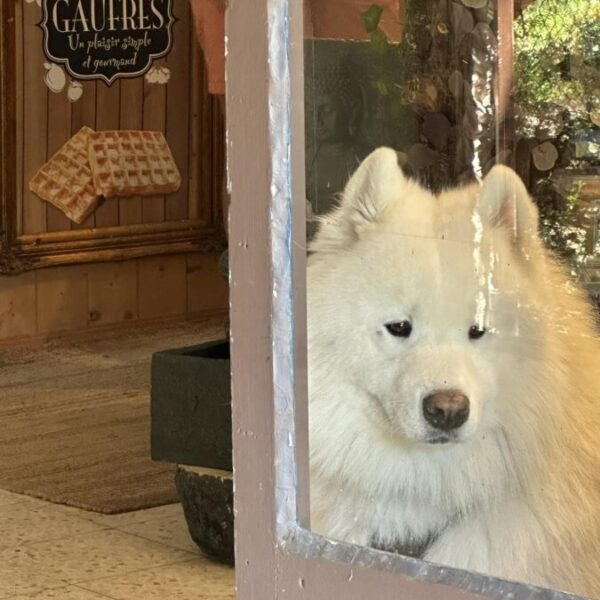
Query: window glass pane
[[454, 286], [415, 76]]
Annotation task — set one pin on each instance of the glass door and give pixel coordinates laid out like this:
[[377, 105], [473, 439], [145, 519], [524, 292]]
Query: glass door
[[402, 332]]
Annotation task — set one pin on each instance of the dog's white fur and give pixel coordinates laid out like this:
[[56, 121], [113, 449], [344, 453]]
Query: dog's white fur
[[517, 494]]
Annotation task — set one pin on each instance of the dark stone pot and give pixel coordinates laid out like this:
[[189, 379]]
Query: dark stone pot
[[207, 500]]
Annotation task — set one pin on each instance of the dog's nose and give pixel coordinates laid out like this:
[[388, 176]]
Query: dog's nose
[[446, 409]]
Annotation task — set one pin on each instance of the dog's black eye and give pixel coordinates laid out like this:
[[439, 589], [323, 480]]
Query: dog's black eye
[[400, 328], [476, 332]]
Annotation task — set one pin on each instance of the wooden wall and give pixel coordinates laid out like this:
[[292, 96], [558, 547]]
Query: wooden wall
[[75, 298]]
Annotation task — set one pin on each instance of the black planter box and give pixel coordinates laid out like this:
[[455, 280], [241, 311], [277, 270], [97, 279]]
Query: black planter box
[[191, 406]]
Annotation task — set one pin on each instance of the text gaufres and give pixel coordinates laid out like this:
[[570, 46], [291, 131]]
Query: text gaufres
[[77, 16], [106, 39]]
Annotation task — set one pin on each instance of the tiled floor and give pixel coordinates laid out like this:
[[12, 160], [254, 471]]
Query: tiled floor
[[48, 551]]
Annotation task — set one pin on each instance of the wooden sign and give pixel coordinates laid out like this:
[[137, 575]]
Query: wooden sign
[[106, 39]]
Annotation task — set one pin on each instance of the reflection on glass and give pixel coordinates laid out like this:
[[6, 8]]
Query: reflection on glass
[[453, 347], [334, 145]]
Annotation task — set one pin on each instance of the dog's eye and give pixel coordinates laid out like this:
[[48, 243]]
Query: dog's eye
[[400, 328], [476, 332]]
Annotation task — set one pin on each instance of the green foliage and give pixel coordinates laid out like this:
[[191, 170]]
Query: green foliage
[[557, 94], [558, 221], [371, 17], [557, 55], [387, 72], [379, 41]]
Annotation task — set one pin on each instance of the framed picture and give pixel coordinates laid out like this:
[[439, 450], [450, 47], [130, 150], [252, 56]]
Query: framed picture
[[111, 147]]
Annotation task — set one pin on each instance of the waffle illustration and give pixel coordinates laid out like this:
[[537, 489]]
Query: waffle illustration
[[66, 179], [131, 163]]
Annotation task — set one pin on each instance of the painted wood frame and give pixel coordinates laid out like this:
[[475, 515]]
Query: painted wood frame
[[21, 252], [277, 556]]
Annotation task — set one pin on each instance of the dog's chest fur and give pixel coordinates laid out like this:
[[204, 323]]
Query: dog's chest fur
[[386, 521]]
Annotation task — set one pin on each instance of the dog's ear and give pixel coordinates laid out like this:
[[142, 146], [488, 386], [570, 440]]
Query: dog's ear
[[504, 202], [376, 182]]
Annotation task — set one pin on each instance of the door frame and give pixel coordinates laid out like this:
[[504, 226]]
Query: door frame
[[277, 556]]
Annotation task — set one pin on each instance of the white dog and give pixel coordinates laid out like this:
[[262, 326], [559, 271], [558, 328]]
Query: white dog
[[454, 405]]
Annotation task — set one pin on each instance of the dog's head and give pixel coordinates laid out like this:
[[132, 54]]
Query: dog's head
[[423, 303]]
